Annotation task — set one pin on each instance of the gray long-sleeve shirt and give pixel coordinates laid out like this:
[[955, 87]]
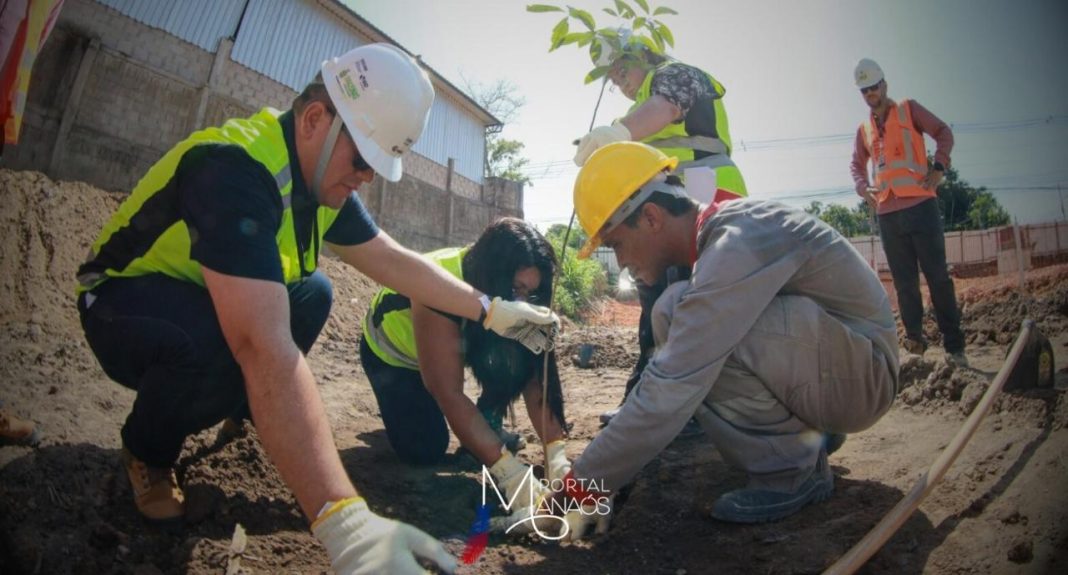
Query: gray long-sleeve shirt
[[748, 252]]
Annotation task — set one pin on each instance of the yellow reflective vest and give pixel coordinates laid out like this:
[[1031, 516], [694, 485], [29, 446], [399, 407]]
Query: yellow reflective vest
[[387, 326], [674, 139], [262, 138]]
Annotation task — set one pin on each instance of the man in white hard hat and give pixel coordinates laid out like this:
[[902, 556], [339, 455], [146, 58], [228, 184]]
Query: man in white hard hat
[[905, 198], [202, 292], [782, 337], [678, 109]]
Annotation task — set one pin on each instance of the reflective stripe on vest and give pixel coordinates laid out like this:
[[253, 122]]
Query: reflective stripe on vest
[[673, 139], [387, 325], [899, 157], [165, 247]]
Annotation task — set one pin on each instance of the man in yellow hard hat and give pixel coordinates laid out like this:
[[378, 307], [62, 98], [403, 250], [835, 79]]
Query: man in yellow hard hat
[[782, 337], [678, 108]]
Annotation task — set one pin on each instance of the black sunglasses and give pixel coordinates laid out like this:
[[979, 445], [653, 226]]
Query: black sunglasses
[[871, 88], [358, 163]]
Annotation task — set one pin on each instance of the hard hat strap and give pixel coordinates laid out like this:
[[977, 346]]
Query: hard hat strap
[[657, 184], [324, 155]]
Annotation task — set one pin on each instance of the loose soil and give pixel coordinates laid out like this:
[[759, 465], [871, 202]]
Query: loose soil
[[65, 506]]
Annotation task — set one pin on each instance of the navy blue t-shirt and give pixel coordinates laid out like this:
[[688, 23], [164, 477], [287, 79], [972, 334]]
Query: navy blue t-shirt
[[233, 210]]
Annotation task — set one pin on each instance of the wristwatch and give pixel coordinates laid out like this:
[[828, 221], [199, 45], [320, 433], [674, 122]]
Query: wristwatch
[[938, 166], [485, 301]]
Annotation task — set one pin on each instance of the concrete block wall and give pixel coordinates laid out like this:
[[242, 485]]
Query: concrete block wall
[[245, 85], [154, 48], [110, 95]]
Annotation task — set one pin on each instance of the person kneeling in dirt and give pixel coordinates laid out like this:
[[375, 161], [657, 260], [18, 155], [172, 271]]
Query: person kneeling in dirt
[[414, 357], [782, 336], [202, 292]]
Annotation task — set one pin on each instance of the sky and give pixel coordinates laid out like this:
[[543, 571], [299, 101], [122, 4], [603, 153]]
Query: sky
[[995, 70]]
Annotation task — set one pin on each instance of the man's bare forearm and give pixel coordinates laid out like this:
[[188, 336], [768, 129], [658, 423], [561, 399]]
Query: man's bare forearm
[[294, 429]]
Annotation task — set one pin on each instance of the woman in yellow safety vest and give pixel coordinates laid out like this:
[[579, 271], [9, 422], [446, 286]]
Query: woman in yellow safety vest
[[414, 357]]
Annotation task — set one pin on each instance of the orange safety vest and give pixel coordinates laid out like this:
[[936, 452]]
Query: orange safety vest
[[898, 155]]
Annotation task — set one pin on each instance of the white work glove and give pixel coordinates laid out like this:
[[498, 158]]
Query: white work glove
[[600, 136], [533, 326], [559, 466], [528, 519], [521, 488], [596, 516], [358, 541]]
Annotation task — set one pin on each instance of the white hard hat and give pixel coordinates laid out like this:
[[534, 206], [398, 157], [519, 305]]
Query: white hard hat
[[384, 98], [609, 54], [867, 73]]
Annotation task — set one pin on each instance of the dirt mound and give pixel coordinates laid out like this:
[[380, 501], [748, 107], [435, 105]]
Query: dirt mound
[[610, 347], [65, 507]]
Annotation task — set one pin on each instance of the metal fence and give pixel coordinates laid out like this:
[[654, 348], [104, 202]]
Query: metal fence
[[973, 252], [976, 250]]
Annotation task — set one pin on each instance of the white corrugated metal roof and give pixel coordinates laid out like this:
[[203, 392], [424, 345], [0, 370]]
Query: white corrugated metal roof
[[287, 40], [200, 22]]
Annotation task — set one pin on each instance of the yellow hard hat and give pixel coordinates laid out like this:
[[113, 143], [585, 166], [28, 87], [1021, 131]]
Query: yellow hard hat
[[610, 176]]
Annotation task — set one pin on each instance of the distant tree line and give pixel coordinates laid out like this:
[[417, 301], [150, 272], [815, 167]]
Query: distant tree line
[[963, 207]]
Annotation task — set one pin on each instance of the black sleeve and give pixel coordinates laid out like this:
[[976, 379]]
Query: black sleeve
[[353, 225], [233, 210], [682, 85]]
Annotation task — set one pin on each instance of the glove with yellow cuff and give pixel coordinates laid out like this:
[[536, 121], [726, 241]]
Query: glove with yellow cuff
[[359, 541]]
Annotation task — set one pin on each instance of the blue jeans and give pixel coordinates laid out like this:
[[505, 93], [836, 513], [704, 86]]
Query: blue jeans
[[914, 236], [161, 338], [415, 425]]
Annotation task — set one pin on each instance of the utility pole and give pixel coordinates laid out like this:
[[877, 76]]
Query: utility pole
[[1060, 193]]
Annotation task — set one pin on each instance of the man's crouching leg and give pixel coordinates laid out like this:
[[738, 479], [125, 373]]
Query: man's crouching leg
[[796, 377]]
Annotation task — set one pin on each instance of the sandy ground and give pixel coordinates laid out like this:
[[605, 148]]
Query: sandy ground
[[65, 507]]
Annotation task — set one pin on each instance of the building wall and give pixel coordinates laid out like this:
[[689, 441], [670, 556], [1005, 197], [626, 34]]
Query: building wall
[[110, 95]]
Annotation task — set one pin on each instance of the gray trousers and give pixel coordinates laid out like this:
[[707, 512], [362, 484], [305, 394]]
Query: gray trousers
[[798, 373]]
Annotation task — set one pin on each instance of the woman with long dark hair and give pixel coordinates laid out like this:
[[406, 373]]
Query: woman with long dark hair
[[414, 357]]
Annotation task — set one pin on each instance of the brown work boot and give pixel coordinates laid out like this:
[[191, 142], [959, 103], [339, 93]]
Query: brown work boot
[[156, 491], [914, 346], [15, 431]]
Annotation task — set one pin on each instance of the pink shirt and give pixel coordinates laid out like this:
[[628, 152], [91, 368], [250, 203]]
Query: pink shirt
[[926, 123]]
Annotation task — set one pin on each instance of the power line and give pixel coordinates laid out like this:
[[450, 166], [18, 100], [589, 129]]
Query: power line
[[556, 168]]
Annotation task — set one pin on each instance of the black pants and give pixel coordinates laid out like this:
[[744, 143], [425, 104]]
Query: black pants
[[647, 296], [161, 338], [914, 236], [415, 425]]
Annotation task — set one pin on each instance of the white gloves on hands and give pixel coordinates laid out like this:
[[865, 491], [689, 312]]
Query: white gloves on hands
[[358, 541], [531, 325], [597, 517], [600, 136], [521, 488], [559, 466], [535, 518]]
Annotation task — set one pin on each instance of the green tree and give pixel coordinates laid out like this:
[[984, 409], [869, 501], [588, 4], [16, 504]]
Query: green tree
[[575, 239], [647, 29], [504, 157], [965, 207], [848, 222], [581, 281]]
